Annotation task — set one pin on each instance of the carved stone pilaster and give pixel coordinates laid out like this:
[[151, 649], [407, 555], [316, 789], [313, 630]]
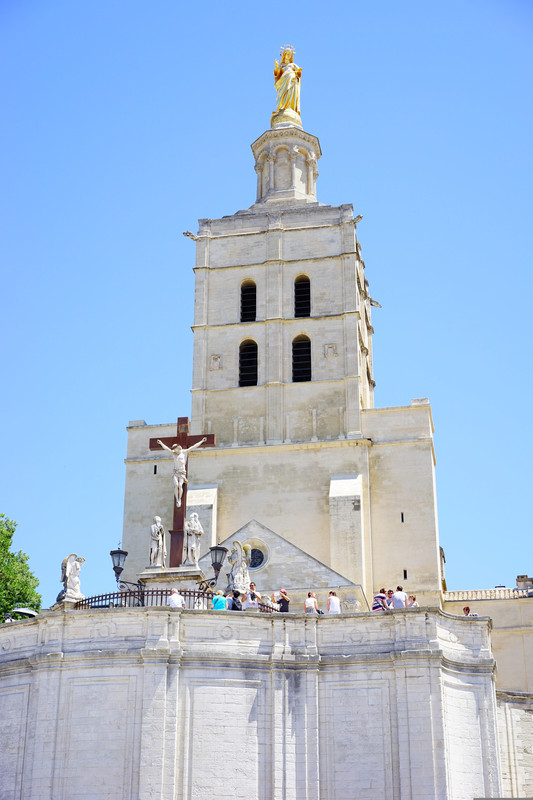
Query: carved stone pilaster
[[270, 161], [259, 171]]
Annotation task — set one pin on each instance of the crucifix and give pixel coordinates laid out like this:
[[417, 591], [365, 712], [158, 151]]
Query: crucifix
[[180, 446]]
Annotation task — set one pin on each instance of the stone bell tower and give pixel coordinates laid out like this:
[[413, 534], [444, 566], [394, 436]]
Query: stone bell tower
[[282, 330], [283, 378]]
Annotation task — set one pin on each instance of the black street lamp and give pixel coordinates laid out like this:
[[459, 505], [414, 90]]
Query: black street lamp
[[118, 557], [218, 554]]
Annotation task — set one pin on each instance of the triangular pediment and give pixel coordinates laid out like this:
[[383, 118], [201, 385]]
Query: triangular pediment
[[284, 564]]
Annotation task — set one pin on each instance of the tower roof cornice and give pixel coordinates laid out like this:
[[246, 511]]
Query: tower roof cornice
[[276, 136]]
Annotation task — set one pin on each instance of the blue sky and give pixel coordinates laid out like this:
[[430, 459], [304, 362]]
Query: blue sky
[[126, 121]]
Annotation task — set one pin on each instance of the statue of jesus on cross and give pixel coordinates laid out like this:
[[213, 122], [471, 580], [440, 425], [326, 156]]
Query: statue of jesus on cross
[[180, 445], [179, 473]]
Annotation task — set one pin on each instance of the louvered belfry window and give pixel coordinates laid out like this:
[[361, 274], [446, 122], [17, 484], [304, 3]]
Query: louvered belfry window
[[301, 359], [302, 297], [248, 363], [248, 301]]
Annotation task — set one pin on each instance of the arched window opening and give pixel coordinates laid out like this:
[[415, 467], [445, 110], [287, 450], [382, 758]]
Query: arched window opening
[[248, 363], [248, 301], [301, 359], [302, 297]]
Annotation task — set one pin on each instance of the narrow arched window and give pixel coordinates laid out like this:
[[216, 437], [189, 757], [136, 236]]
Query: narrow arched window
[[302, 297], [248, 301], [301, 359], [248, 363]]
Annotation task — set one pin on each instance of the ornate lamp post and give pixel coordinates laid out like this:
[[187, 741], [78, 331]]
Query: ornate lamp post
[[118, 557], [218, 554]]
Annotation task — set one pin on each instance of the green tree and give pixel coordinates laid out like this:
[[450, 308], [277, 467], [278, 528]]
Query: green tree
[[17, 582]]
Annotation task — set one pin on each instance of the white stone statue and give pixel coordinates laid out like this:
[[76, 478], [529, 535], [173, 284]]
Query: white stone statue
[[179, 473], [239, 558], [191, 544], [70, 578], [158, 546]]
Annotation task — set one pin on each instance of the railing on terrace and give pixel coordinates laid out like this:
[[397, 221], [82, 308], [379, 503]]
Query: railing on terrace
[[142, 598], [486, 594]]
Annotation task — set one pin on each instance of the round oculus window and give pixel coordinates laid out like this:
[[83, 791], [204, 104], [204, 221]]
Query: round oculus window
[[257, 558]]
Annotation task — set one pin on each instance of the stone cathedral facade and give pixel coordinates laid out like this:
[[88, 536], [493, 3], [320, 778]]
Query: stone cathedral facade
[[283, 376], [329, 492]]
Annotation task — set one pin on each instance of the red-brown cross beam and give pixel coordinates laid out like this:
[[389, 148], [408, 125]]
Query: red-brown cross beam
[[185, 440]]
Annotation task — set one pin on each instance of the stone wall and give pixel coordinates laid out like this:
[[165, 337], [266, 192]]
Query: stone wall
[[160, 703], [388, 528], [512, 632], [515, 725]]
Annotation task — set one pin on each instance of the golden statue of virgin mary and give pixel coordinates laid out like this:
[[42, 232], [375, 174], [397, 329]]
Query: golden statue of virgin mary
[[287, 80]]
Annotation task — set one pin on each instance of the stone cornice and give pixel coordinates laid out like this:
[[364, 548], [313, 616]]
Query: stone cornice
[[277, 227], [317, 382], [261, 447], [403, 637], [299, 260], [280, 134], [225, 325]]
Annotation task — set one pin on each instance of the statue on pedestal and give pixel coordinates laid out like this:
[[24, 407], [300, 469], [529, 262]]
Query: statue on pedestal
[[70, 578], [191, 548], [158, 547], [287, 80]]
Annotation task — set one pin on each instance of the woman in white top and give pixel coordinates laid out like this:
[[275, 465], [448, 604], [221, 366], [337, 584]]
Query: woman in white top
[[334, 604], [311, 606], [251, 599]]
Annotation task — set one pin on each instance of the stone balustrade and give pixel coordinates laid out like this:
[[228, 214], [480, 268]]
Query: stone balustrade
[[485, 594]]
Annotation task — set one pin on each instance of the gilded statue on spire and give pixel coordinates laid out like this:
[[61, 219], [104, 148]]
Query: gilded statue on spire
[[287, 81]]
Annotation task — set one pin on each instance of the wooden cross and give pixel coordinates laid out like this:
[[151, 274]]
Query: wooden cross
[[185, 440]]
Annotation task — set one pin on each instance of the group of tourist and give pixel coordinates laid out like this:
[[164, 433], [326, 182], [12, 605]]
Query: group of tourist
[[384, 600], [234, 601], [237, 601], [388, 600], [333, 605]]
